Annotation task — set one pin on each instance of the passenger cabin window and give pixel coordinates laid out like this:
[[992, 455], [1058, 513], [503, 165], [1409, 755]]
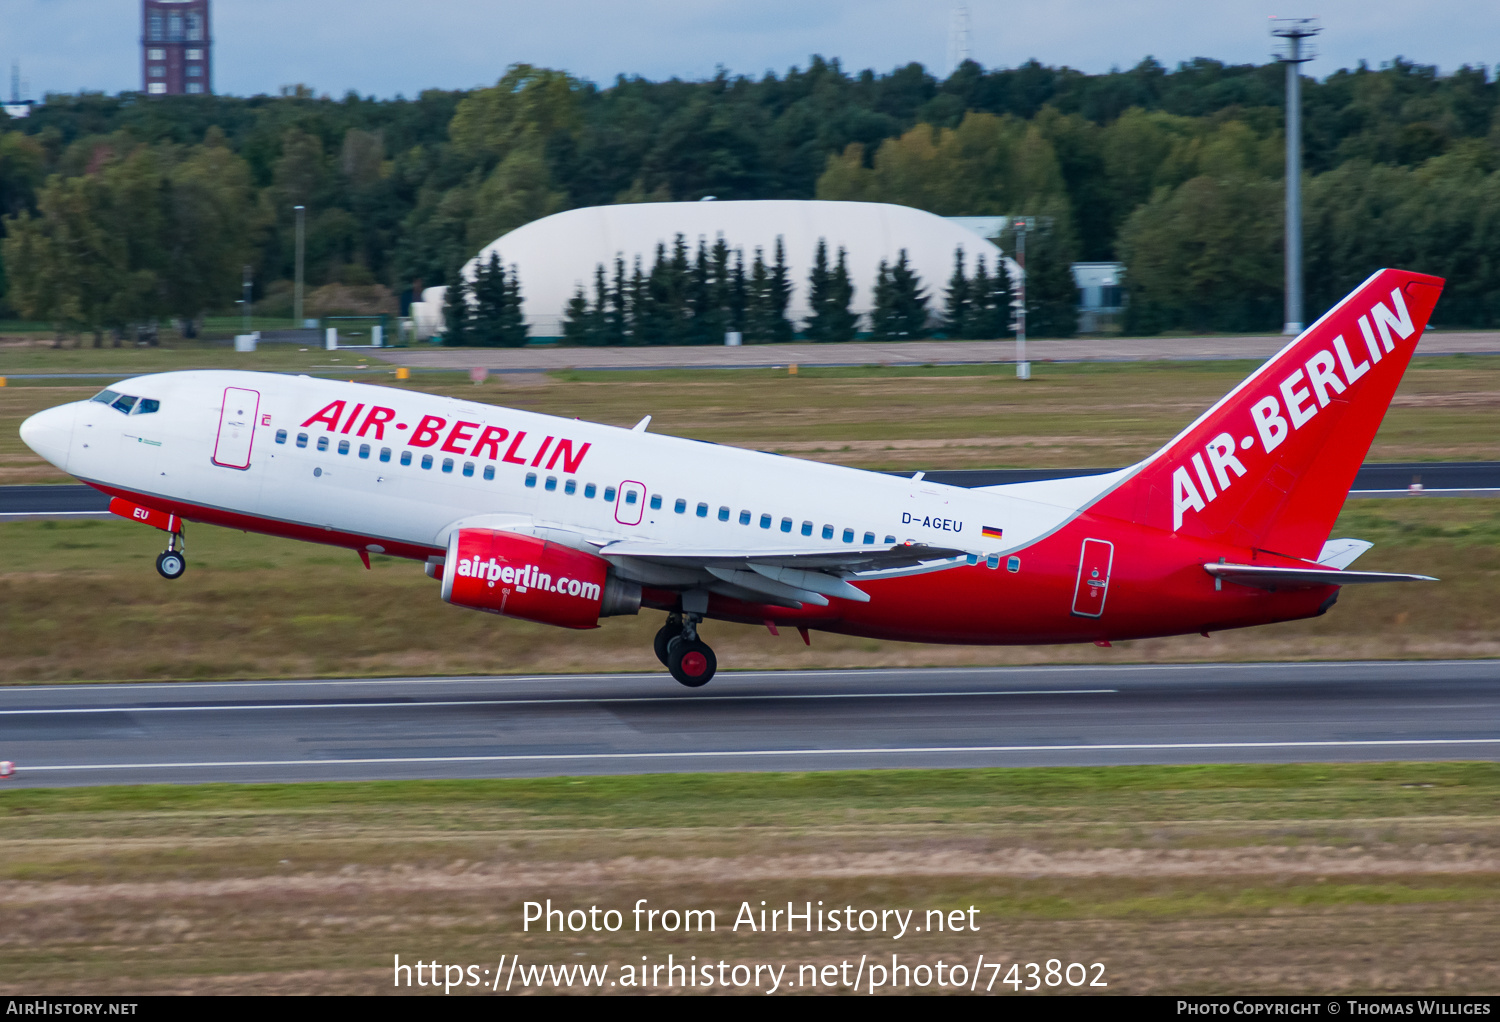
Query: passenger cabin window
[[343, 447], [656, 502], [364, 451], [786, 525], [426, 461], [589, 490], [281, 436], [890, 539], [723, 514], [807, 528], [744, 517], [765, 521], [680, 506], [551, 483], [570, 487], [869, 537], [827, 532], [848, 535], [631, 496], [447, 464], [531, 479], [489, 472], [702, 510], [406, 457], [468, 470], [322, 443], [609, 494], [301, 439], [385, 454]]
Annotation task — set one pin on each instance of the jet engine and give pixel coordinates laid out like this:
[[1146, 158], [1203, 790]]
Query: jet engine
[[529, 578]]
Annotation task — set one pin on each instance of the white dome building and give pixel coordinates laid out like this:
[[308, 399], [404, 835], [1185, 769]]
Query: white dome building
[[558, 254]]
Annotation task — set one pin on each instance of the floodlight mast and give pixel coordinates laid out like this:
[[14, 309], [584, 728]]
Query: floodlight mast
[[297, 291], [1294, 31]]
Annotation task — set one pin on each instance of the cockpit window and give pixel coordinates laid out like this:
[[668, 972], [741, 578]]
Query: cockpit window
[[146, 406], [127, 404], [105, 397], [124, 404]]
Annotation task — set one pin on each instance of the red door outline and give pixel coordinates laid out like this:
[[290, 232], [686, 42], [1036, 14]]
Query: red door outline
[[1094, 563], [625, 507], [236, 434]]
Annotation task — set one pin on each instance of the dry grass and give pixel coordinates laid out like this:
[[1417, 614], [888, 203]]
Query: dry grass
[[1327, 879]]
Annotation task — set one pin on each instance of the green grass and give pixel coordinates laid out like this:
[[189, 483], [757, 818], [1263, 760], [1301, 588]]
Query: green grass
[[1241, 793]]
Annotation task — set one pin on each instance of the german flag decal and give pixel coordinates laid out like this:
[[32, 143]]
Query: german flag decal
[[990, 532]]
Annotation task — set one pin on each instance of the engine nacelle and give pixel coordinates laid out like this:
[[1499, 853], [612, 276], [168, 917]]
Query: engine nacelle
[[529, 578]]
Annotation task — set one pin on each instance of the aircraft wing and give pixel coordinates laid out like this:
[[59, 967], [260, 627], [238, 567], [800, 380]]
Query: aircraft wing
[[787, 577], [1263, 576]]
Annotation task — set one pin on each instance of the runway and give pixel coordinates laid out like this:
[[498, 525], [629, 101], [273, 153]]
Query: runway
[[1376, 479], [784, 720]]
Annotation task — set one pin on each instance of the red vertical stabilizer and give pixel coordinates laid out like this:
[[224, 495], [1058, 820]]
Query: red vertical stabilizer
[[1270, 465]]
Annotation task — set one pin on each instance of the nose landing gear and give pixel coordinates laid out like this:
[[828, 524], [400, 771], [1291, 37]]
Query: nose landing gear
[[172, 562], [689, 659]]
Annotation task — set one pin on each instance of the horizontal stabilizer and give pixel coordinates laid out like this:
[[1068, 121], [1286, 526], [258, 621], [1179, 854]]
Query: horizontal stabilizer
[[1263, 576]]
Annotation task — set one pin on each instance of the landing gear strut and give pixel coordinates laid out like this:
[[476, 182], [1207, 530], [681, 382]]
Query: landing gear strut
[[172, 562], [689, 658]]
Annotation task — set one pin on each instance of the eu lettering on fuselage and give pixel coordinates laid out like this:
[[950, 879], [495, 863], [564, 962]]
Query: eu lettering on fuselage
[[927, 522], [1303, 394], [469, 439]]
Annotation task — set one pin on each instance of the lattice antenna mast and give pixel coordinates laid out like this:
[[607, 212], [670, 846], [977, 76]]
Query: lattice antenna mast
[[958, 37], [1295, 52]]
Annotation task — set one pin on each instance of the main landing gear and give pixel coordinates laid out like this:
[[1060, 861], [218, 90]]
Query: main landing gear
[[689, 658], [172, 561]]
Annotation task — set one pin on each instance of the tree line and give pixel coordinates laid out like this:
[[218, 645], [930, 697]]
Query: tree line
[[1176, 172]]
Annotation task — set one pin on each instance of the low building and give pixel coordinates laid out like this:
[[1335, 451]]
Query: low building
[[1101, 295]]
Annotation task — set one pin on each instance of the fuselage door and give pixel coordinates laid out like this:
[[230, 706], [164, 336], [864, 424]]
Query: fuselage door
[[236, 428], [1093, 577], [630, 505]]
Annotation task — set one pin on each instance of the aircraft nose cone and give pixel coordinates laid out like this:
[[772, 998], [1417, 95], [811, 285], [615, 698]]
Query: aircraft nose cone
[[50, 433]]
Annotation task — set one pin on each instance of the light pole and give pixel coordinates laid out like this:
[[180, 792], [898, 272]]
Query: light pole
[[1294, 30], [246, 300], [1022, 224], [297, 291]]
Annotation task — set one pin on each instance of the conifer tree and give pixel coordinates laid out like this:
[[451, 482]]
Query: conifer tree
[[616, 320], [958, 313], [758, 327], [817, 294], [909, 301], [576, 319], [457, 311], [490, 296], [738, 297], [638, 313], [882, 318], [513, 332], [843, 324], [780, 294]]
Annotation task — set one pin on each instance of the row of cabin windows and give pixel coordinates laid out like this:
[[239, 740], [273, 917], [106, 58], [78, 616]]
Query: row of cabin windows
[[570, 487], [766, 521]]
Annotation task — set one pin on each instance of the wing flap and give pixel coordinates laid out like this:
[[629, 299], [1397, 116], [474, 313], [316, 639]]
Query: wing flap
[[840, 560]]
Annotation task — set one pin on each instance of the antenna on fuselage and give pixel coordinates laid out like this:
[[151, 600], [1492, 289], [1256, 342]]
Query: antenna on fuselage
[[640, 427]]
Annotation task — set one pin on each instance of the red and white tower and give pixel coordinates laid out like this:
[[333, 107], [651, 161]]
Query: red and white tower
[[175, 48]]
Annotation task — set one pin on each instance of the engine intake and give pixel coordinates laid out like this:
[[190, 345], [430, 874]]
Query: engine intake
[[532, 579]]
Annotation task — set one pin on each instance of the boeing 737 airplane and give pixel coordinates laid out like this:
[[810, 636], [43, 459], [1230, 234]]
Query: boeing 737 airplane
[[566, 522]]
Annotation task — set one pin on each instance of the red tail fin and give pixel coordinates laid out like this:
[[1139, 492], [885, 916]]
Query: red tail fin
[[1270, 465]]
